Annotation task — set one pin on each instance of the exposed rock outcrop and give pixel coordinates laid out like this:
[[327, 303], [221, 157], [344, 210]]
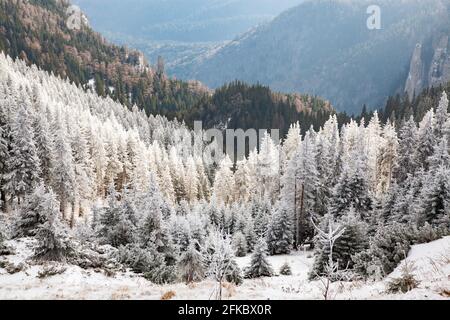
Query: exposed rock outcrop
[[432, 72], [414, 82]]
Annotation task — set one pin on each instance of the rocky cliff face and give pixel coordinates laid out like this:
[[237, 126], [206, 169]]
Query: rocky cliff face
[[414, 82], [429, 70]]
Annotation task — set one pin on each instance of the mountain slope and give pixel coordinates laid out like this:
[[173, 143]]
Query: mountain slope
[[36, 32], [325, 48], [181, 20]]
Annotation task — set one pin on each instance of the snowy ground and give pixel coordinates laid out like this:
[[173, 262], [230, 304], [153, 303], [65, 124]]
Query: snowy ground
[[432, 262]]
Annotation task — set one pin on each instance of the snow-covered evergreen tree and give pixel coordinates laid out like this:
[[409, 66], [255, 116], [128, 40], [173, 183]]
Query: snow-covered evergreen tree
[[434, 200], [219, 256], [442, 116], [280, 235], [268, 168], [63, 172], [23, 171], [352, 189], [115, 225], [54, 243], [426, 139], [259, 265], [351, 241], [223, 189], [191, 265], [262, 213], [240, 244], [300, 186], [407, 162], [387, 159]]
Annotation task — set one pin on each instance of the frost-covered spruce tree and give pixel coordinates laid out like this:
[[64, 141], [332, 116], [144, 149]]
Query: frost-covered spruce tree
[[240, 244], [388, 211], [250, 235], [180, 231], [280, 236], [22, 165], [191, 181], [387, 159], [224, 182], [191, 265], [53, 238], [2, 234], [352, 240], [259, 265], [32, 213], [442, 116], [44, 145], [152, 229], [433, 204], [300, 187], [63, 172], [262, 217], [115, 225], [404, 208], [4, 153], [84, 171], [426, 140], [407, 161], [352, 189]]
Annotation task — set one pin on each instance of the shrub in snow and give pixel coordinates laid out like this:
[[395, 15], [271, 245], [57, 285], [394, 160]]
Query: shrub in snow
[[13, 268], [259, 266], [387, 248], [240, 244], [286, 270], [191, 265], [147, 261], [134, 257], [405, 283], [91, 256], [234, 274], [50, 270], [427, 234], [219, 258], [162, 273]]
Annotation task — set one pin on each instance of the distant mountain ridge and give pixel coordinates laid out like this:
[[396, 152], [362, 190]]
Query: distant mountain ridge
[[324, 48], [181, 20]]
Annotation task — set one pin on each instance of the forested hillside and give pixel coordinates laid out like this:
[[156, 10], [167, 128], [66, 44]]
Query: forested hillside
[[400, 108], [240, 106], [36, 32], [99, 186]]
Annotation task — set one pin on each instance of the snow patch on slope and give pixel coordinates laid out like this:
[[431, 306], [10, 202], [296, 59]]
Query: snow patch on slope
[[432, 262]]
